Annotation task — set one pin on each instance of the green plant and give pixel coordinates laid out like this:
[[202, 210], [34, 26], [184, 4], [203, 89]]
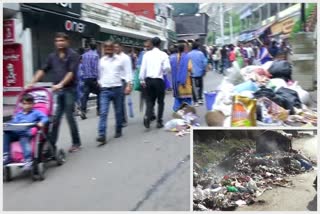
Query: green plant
[[297, 26]]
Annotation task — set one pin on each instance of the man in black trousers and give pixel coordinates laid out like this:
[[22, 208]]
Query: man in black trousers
[[155, 64]]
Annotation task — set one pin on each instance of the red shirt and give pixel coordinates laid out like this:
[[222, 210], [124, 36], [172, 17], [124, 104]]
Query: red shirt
[[232, 56]]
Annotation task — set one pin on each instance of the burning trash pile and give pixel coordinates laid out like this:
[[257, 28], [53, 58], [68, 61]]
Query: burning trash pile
[[244, 175], [264, 95]]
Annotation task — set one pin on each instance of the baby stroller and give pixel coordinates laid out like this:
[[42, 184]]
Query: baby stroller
[[42, 150]]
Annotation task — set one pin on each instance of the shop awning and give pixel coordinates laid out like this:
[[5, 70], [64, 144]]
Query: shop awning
[[247, 36], [262, 30], [188, 37]]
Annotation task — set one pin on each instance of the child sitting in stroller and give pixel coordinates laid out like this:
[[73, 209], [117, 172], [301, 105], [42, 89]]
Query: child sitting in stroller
[[26, 115]]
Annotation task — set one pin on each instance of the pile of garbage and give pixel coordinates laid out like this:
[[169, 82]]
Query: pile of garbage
[[184, 119], [264, 95], [243, 176]]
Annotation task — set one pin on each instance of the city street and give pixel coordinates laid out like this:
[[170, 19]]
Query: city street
[[143, 170]]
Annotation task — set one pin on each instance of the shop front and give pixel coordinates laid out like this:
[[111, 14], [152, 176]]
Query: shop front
[[128, 43], [282, 29], [172, 37], [44, 24], [122, 26]]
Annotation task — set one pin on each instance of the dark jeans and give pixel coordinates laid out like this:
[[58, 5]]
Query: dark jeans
[[65, 100], [155, 90], [197, 88], [107, 95], [90, 85], [24, 137], [216, 64], [224, 64], [124, 109]]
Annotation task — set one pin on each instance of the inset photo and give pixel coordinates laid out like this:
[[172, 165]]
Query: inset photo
[[254, 170]]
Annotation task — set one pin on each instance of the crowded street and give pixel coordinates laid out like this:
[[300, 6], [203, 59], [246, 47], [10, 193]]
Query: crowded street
[[100, 101], [152, 173]]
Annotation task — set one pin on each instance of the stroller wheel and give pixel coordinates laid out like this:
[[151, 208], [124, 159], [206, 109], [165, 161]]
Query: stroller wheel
[[7, 174], [41, 171], [61, 157], [38, 171]]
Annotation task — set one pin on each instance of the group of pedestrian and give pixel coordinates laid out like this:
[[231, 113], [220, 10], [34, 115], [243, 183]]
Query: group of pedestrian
[[109, 75], [245, 54]]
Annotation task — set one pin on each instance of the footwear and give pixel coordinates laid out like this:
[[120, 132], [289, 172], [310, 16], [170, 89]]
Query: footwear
[[200, 102], [83, 115], [195, 104], [27, 166], [101, 140], [159, 125], [146, 122], [117, 135], [6, 159], [153, 118], [74, 148]]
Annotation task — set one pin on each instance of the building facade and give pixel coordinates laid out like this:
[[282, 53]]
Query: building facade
[[122, 25], [276, 19]]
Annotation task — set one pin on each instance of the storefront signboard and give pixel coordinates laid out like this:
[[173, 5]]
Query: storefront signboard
[[8, 31], [13, 78]]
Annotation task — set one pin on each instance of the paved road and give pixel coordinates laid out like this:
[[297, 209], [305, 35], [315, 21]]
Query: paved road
[[143, 170]]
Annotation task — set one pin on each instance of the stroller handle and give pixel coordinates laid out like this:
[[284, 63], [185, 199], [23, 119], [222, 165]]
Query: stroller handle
[[18, 126]]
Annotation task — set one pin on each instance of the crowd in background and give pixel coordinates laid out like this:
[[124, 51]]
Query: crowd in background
[[250, 53]]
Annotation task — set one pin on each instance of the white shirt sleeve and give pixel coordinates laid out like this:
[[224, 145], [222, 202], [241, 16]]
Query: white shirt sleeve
[[128, 69], [166, 64], [99, 70], [142, 74]]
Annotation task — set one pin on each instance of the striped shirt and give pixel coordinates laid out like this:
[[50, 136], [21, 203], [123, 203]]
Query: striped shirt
[[90, 62]]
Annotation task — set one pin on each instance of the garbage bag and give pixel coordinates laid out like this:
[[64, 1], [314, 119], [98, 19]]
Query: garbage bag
[[304, 96], [248, 72], [246, 86], [287, 99], [281, 69], [276, 83], [233, 74], [175, 124], [264, 92], [284, 97]]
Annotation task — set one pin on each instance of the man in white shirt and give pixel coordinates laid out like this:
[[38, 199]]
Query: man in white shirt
[[111, 72], [127, 70], [155, 64]]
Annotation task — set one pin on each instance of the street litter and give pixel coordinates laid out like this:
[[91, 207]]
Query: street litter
[[263, 95], [248, 176], [184, 119]]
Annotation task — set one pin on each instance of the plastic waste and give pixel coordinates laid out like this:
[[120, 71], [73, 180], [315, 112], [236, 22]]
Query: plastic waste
[[305, 164], [281, 69], [251, 185], [232, 189], [241, 203], [175, 124], [246, 86]]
